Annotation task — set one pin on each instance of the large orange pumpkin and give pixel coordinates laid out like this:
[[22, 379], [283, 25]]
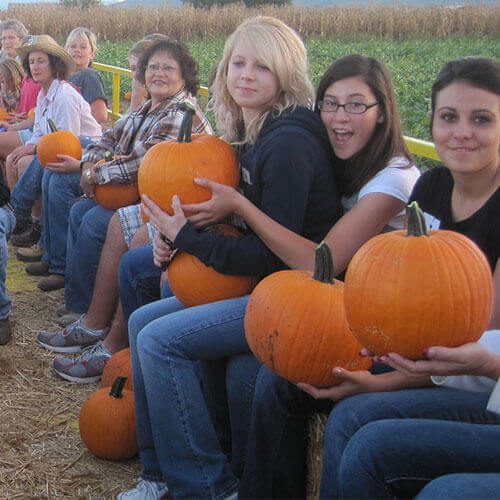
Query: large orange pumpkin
[[407, 291], [58, 142], [194, 283], [295, 323], [114, 196], [107, 422], [170, 167], [120, 365]]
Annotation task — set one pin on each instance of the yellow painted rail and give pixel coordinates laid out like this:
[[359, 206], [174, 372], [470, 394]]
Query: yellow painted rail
[[416, 146]]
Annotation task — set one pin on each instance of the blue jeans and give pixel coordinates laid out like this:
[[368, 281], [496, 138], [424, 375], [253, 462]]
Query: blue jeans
[[177, 441], [352, 414], [27, 190], [462, 487], [88, 225], [59, 193], [397, 457], [139, 280], [7, 223]]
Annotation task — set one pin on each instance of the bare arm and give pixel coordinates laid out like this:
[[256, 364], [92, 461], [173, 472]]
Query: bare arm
[[495, 315], [99, 110]]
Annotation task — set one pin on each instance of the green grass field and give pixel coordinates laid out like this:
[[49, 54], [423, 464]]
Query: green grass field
[[413, 65]]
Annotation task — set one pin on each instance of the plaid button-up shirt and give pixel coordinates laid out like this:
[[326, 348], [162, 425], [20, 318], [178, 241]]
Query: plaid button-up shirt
[[133, 134]]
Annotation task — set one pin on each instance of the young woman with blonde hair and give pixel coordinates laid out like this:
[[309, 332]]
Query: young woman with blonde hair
[[261, 95]]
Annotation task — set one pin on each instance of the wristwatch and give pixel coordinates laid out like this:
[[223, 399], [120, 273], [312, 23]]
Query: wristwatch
[[88, 174]]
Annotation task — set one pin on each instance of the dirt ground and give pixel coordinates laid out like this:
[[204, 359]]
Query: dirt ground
[[41, 453]]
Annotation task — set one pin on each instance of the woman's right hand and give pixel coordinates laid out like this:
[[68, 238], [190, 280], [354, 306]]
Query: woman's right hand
[[224, 202], [88, 179], [162, 251]]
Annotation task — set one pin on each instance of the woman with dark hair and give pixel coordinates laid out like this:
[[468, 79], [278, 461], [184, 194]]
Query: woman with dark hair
[[159, 119], [388, 444]]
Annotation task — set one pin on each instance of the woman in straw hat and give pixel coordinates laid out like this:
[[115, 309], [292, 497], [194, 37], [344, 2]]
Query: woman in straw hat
[[49, 65]]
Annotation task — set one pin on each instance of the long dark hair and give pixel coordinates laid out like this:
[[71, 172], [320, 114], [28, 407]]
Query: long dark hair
[[479, 72], [387, 139]]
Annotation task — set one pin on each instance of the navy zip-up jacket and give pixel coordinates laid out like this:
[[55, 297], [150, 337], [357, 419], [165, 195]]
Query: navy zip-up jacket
[[289, 174]]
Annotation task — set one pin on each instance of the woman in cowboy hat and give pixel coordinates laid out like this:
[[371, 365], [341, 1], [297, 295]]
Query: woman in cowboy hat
[[49, 65]]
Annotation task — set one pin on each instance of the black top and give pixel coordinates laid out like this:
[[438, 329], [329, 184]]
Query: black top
[[288, 173], [433, 194], [89, 83]]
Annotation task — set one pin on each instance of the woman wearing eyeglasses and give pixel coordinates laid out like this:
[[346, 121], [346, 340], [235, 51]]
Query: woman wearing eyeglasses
[[356, 103]]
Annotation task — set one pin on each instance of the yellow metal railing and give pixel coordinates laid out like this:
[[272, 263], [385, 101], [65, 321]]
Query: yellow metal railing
[[416, 146]]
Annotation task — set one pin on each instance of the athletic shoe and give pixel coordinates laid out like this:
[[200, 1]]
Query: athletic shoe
[[146, 490], [87, 367], [74, 338]]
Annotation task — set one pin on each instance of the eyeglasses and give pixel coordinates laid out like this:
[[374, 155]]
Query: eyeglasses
[[9, 38], [156, 67], [353, 108]]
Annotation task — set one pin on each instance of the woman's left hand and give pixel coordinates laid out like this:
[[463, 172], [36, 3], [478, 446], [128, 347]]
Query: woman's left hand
[[68, 165], [168, 225], [467, 359]]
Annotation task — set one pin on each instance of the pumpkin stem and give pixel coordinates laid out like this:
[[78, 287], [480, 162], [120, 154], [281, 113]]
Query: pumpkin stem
[[323, 264], [117, 387], [52, 125], [416, 220], [187, 121], [108, 156]]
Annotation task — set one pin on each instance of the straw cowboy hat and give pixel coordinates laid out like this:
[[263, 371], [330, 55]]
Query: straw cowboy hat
[[46, 44]]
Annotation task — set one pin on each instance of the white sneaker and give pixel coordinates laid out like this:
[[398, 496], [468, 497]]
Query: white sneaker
[[146, 490]]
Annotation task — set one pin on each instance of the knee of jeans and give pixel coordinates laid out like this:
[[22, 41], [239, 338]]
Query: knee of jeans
[[93, 225]]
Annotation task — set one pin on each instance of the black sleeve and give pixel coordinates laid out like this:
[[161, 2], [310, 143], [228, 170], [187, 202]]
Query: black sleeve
[[288, 167]]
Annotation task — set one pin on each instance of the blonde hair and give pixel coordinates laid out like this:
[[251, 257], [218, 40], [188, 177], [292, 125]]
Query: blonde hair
[[279, 48], [82, 33], [12, 74]]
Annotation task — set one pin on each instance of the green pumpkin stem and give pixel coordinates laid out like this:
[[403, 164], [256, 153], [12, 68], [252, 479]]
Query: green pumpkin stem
[[52, 125], [323, 264], [108, 156], [416, 220], [117, 387], [187, 121]]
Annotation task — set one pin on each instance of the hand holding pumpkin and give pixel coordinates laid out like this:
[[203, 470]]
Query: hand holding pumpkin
[[162, 252], [224, 202], [67, 165], [168, 225], [468, 359], [87, 181]]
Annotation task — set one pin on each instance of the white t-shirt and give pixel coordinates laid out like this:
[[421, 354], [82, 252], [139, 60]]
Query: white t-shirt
[[397, 179], [69, 111], [491, 341]]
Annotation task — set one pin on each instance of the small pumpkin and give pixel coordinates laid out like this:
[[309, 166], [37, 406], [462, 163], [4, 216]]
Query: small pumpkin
[[295, 323], [107, 422], [31, 113], [120, 365], [57, 142], [194, 283], [409, 290], [114, 196], [127, 96], [4, 114], [170, 167]]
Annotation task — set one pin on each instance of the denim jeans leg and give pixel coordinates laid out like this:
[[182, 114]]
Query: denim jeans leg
[[27, 190], [139, 279], [398, 457], [462, 487], [7, 223], [168, 349], [84, 252], [151, 469], [351, 414], [59, 194]]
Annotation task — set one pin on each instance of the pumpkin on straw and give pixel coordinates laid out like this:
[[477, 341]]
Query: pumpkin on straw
[[120, 365], [409, 290], [295, 324]]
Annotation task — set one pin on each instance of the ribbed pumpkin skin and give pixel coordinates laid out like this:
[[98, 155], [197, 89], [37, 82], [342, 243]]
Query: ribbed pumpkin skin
[[297, 327], [194, 283], [61, 142], [170, 167], [120, 365], [114, 196], [407, 293], [107, 425]]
